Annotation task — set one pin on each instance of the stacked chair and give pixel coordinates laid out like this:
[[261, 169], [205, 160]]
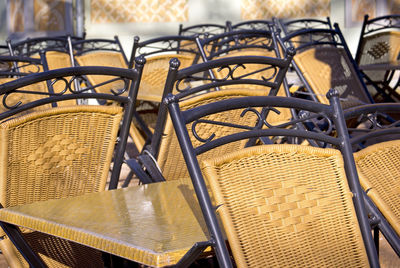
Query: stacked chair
[[287, 178], [379, 44], [157, 52], [57, 152], [223, 77], [323, 61]]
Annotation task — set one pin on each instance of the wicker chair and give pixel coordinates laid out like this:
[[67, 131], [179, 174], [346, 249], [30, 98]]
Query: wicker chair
[[58, 152], [377, 147], [277, 203], [157, 52], [380, 44], [323, 61], [162, 160]]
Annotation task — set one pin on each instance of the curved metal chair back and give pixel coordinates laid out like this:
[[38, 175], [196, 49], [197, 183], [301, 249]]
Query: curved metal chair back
[[188, 122]]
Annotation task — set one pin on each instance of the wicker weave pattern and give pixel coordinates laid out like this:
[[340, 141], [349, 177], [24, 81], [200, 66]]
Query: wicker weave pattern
[[63, 154], [100, 58], [382, 47], [379, 170], [14, 98], [170, 157], [286, 206], [329, 67], [60, 150], [155, 73]]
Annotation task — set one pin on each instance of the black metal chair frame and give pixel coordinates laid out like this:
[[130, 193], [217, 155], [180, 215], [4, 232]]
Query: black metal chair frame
[[372, 27], [83, 46], [193, 117], [161, 45], [323, 37], [177, 78], [203, 30], [131, 80], [250, 25], [13, 69], [33, 46], [380, 118], [291, 26]]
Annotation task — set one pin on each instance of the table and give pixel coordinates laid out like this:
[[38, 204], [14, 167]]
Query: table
[[153, 224]]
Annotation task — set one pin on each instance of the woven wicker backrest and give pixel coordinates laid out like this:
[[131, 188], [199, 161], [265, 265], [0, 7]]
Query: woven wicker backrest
[[56, 153], [286, 206], [220, 74], [382, 47], [379, 172], [59, 150], [102, 58], [155, 73], [326, 67], [17, 97], [170, 158]]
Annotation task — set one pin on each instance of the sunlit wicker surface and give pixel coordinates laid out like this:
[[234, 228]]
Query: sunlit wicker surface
[[379, 170], [170, 158], [152, 224], [328, 67], [14, 98], [155, 73], [56, 153], [383, 47], [103, 58], [286, 206]]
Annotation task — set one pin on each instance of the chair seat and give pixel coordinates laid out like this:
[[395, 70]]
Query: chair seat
[[154, 224]]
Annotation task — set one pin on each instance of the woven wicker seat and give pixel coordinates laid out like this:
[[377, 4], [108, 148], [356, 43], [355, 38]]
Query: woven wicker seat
[[277, 204], [52, 153]]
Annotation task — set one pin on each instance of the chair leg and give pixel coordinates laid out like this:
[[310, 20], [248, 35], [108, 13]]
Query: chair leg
[[376, 239]]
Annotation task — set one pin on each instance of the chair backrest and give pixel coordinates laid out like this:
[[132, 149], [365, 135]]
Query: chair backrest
[[379, 40], [234, 41], [281, 201], [323, 61], [44, 99], [250, 25], [379, 43], [202, 30], [190, 82], [158, 52], [375, 141], [290, 26], [100, 52], [32, 46], [49, 153]]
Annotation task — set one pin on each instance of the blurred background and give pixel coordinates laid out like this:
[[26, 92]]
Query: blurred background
[[152, 18]]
